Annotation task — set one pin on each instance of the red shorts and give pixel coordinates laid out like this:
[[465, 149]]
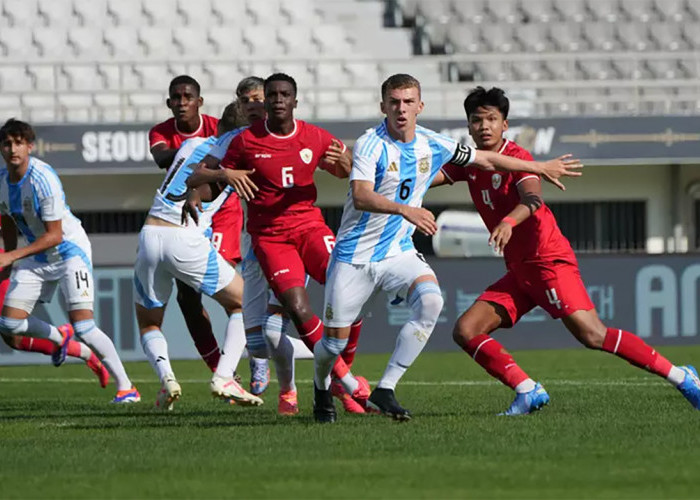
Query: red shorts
[[287, 259], [556, 287], [226, 226]]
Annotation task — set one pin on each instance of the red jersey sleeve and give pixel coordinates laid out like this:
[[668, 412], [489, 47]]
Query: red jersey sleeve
[[326, 139], [158, 135], [454, 173], [234, 154]]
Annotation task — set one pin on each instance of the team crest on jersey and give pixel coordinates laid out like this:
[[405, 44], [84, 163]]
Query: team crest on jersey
[[329, 312], [424, 165], [496, 181], [392, 167], [306, 155]]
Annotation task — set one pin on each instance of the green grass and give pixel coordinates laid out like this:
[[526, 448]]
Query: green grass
[[611, 431]]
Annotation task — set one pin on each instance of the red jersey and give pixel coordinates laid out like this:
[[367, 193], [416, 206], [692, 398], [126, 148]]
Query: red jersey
[[284, 173], [167, 133], [495, 195]]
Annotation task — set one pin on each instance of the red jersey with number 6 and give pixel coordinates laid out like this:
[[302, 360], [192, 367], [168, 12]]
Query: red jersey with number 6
[[495, 195], [284, 173]]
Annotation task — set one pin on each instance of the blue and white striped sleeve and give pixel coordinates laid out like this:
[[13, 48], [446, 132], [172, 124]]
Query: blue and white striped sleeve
[[218, 150], [49, 192], [364, 158]]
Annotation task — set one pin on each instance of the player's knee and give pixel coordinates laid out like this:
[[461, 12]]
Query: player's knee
[[300, 308], [12, 326], [12, 341], [465, 329], [592, 338], [83, 327], [427, 302]]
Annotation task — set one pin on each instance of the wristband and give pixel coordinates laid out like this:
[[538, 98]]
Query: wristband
[[510, 221]]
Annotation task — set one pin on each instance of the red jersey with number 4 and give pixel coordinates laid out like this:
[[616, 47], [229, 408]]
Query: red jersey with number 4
[[495, 195], [167, 133], [284, 173]]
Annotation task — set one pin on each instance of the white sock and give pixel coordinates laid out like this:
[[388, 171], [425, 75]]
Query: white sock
[[156, 349], [86, 352], [300, 349], [281, 350], [102, 345], [234, 345], [526, 385], [349, 382], [409, 345], [676, 376], [326, 351]]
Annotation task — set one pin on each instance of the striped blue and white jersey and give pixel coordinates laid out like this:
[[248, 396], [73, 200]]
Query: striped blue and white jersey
[[38, 198], [219, 149], [172, 193], [401, 172]]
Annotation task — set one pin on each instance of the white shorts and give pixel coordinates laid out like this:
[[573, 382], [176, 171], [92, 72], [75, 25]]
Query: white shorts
[[32, 281], [165, 253], [350, 286], [256, 294]]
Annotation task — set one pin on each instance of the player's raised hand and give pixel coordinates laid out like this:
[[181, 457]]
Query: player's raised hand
[[333, 153], [501, 236], [241, 182], [191, 207], [564, 166], [423, 219]]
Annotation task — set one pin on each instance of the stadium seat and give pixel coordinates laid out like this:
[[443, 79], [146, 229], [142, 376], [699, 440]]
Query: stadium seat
[[222, 75], [408, 8], [668, 36], [562, 69], [55, 14], [426, 72], [297, 41], [82, 77], [196, 14], [157, 42], [108, 107], [597, 69], [530, 71], [691, 33], [87, 43], [693, 9], [192, 41], [555, 101], [229, 13], [225, 41], [572, 10], [499, 38], [642, 11], [21, 13], [154, 76], [436, 11], [122, 42], [41, 108], [332, 40], [52, 43], [664, 68], [147, 105], [10, 104], [534, 37], [541, 11], [634, 35], [76, 108], [127, 13], [628, 69], [267, 13], [568, 37], [163, 13], [91, 12], [601, 36], [297, 70], [363, 74], [690, 67], [44, 77], [17, 44], [262, 41], [466, 39], [15, 78], [128, 78], [300, 12], [604, 10], [493, 71], [672, 10], [472, 12], [506, 11], [331, 74]]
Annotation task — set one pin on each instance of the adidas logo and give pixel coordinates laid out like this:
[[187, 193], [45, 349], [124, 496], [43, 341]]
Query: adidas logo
[[392, 167]]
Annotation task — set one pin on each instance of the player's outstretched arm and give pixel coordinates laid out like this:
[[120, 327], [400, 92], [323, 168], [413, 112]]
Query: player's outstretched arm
[[163, 156], [530, 192], [337, 160], [551, 170], [205, 175], [52, 237], [366, 199]]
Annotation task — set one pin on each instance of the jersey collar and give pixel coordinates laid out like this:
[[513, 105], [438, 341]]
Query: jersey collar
[[288, 136], [193, 134]]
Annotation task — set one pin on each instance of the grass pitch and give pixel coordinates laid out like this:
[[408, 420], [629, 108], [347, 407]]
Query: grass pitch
[[610, 431]]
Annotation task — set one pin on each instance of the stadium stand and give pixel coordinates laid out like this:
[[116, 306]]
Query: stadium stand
[[110, 53]]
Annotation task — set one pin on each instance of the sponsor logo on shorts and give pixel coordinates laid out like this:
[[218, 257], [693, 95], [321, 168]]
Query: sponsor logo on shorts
[[424, 165], [496, 181], [306, 155], [329, 312]]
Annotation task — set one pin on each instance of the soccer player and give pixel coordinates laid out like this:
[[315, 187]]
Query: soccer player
[[32, 202], [541, 269], [165, 139], [289, 236], [393, 166], [169, 248]]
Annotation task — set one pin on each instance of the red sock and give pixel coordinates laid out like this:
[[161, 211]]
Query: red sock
[[32, 344], [498, 362], [312, 331], [636, 352], [73, 349], [212, 357], [348, 353]]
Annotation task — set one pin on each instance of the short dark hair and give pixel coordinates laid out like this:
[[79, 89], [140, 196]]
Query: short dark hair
[[479, 97], [231, 118], [17, 128], [184, 80], [249, 84], [399, 81], [280, 77]]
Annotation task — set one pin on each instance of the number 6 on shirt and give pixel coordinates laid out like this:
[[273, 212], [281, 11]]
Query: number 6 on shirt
[[287, 177]]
